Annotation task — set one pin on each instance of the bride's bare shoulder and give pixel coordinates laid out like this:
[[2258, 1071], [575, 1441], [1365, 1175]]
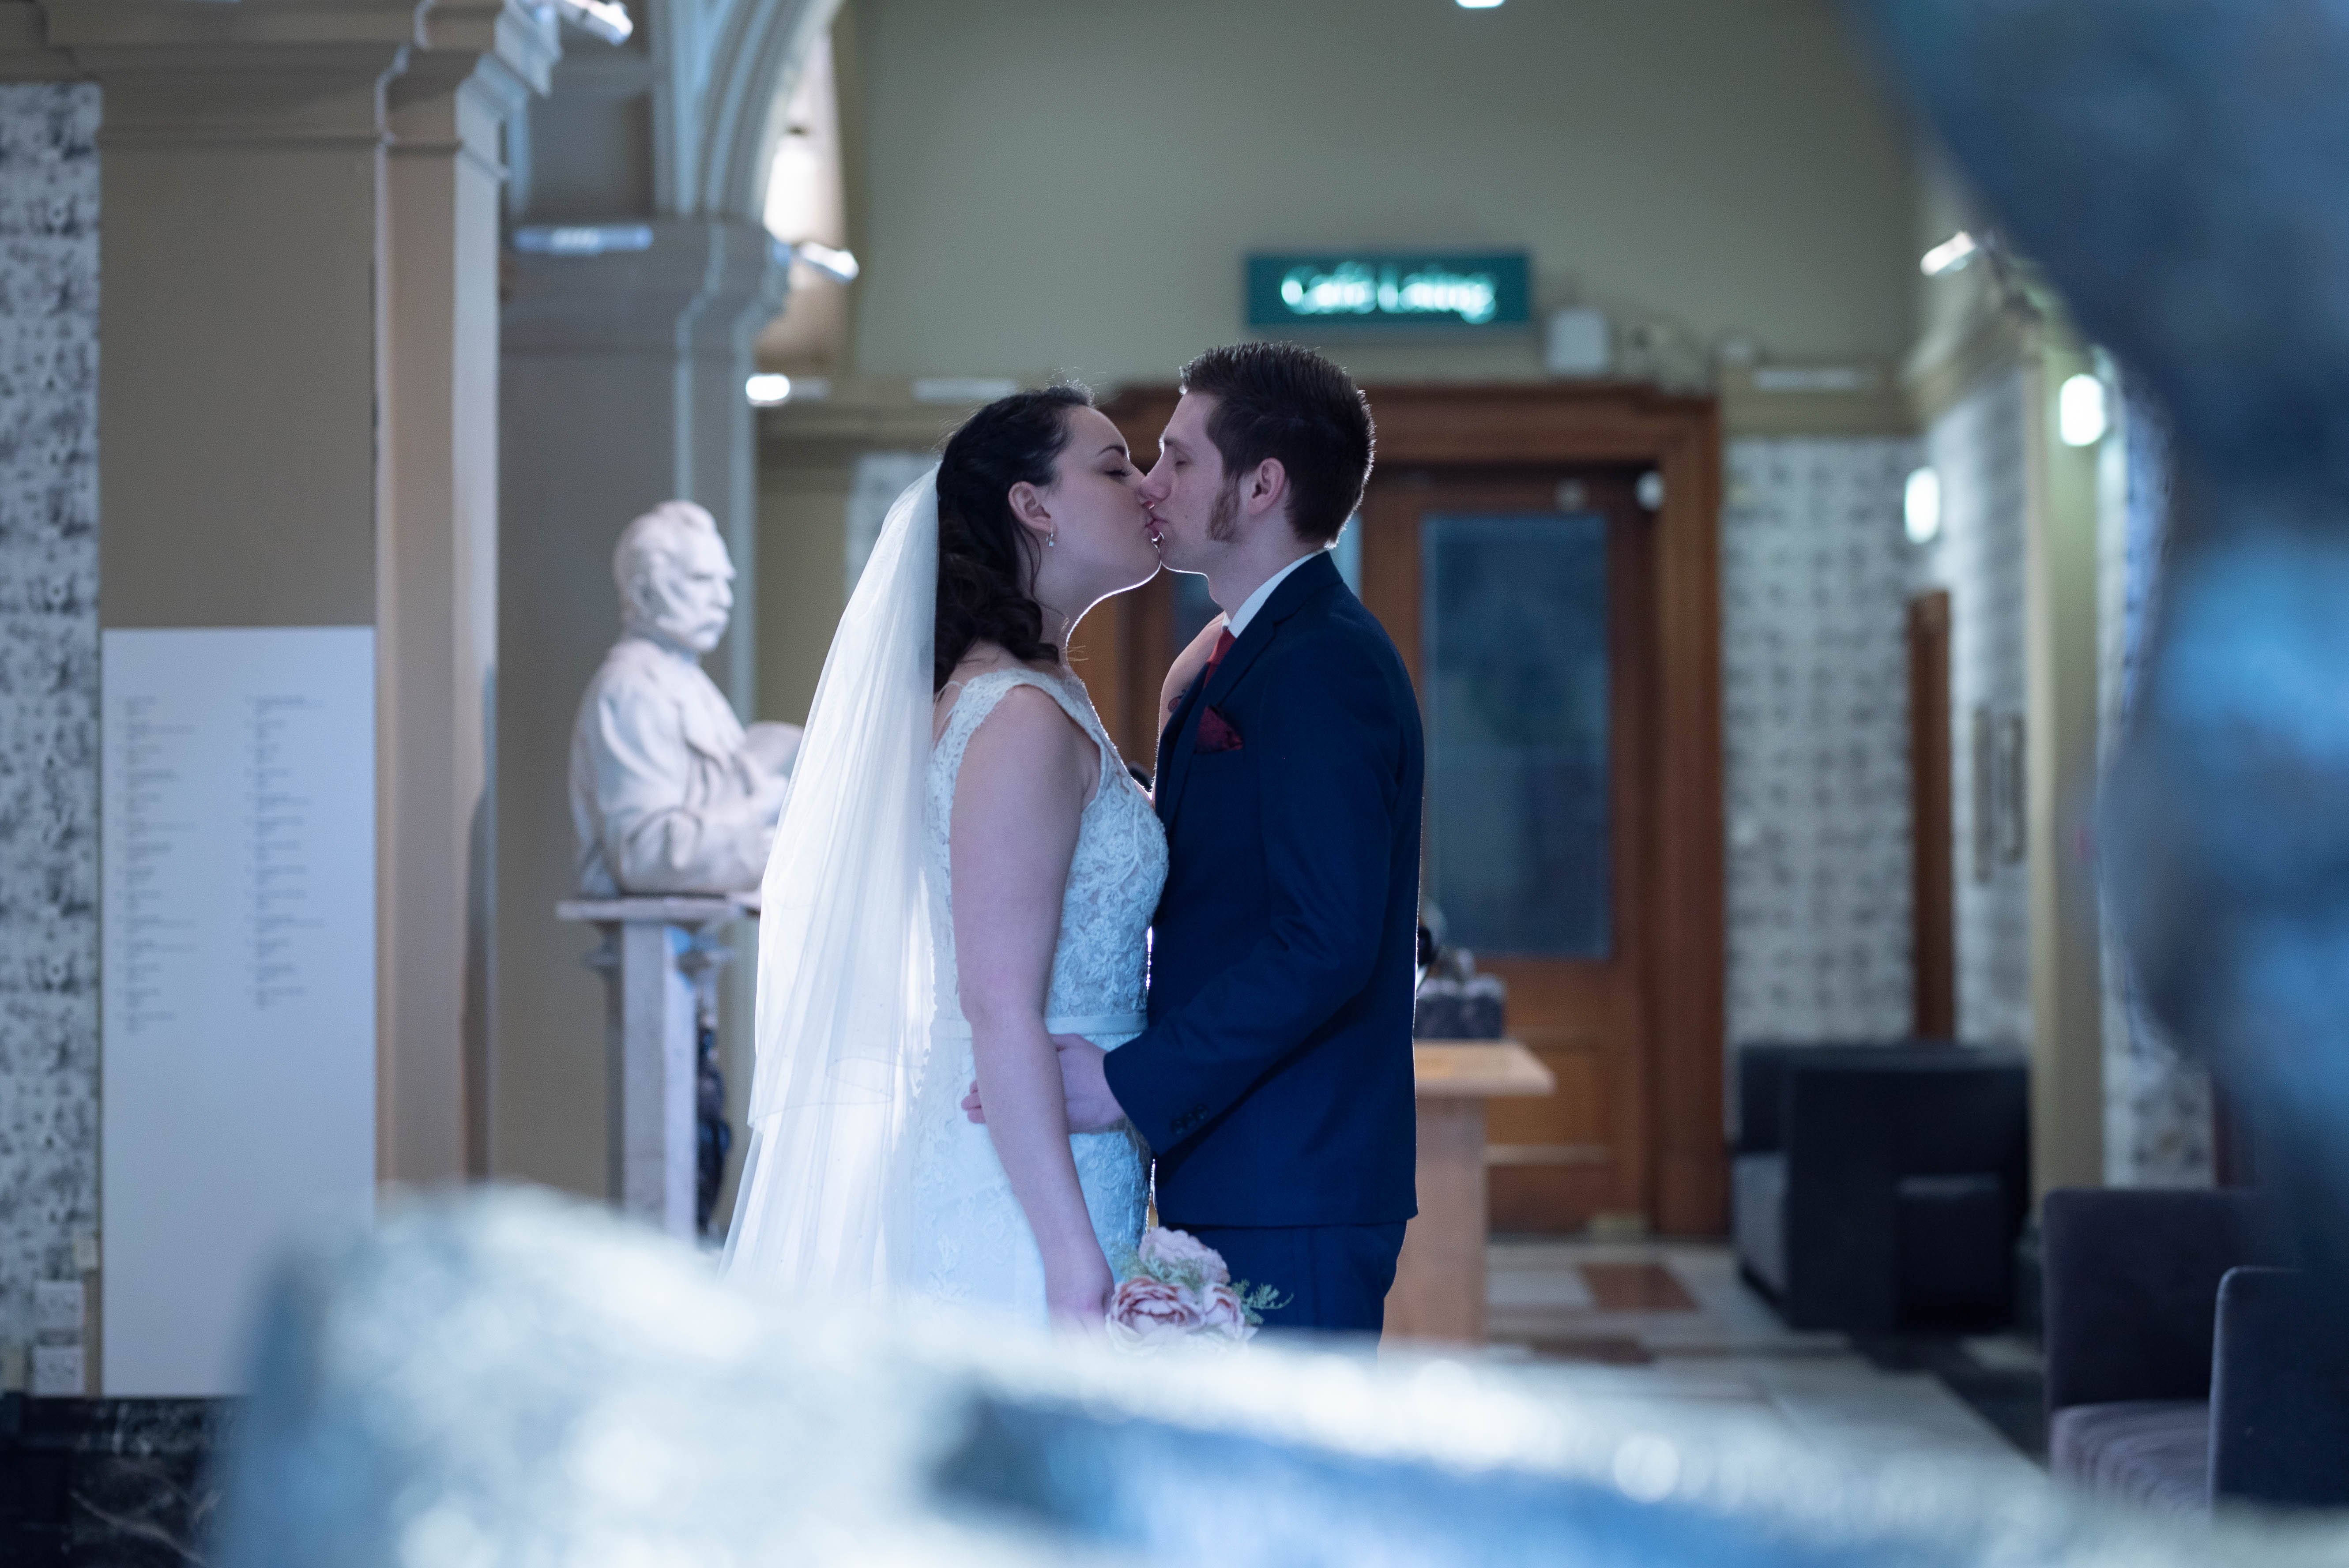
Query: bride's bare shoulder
[[1025, 732], [987, 658]]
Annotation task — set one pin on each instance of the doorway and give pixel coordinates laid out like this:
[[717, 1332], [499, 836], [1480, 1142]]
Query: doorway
[[1544, 558]]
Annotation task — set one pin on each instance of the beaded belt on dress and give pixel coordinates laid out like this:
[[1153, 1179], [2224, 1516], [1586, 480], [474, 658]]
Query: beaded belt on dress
[[1092, 1027]]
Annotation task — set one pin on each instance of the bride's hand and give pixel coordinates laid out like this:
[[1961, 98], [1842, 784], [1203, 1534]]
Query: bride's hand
[[1077, 1289]]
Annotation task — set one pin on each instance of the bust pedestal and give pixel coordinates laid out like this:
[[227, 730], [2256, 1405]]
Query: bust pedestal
[[660, 960]]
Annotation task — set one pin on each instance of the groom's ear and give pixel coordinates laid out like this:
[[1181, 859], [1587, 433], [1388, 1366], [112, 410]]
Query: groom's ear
[[1265, 487]]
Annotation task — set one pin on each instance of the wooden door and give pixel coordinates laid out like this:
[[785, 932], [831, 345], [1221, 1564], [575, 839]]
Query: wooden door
[[1519, 598]]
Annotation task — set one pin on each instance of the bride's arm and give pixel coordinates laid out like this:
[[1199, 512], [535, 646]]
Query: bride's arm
[[1018, 800]]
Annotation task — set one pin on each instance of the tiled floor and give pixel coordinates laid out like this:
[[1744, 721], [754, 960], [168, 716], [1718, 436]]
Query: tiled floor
[[1671, 1322]]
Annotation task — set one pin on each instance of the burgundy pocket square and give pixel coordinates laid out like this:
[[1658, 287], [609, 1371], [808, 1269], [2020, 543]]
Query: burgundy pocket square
[[1216, 733]]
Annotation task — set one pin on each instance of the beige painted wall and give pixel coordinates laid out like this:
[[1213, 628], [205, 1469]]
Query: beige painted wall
[[1070, 184]]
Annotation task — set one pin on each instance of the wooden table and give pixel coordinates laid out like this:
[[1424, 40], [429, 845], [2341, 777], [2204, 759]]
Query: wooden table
[[1439, 1288]]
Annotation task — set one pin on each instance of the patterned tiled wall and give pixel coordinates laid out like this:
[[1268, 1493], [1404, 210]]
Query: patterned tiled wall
[[2157, 1125], [1977, 448], [48, 689], [1814, 581]]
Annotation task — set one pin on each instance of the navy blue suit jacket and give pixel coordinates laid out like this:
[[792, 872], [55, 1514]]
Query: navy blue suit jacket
[[1274, 1078]]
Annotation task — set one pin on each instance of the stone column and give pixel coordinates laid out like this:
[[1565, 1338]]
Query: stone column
[[438, 574], [299, 372], [297, 391], [2067, 1066], [623, 388]]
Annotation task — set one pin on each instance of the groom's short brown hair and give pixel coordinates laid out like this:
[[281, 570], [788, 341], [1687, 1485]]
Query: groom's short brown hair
[[1282, 400]]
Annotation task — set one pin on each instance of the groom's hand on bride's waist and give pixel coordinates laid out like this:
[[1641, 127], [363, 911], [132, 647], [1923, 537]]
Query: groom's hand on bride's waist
[[1091, 1106]]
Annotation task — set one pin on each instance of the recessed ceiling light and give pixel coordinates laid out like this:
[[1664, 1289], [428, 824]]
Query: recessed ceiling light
[[767, 390], [1478, 5]]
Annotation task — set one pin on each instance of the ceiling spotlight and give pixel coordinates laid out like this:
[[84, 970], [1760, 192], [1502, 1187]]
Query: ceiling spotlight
[[1949, 256], [838, 265], [605, 19], [767, 390], [2080, 416], [1922, 507], [1478, 5]]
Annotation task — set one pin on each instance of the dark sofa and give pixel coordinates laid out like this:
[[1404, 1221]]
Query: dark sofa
[[2181, 1366], [1878, 1186]]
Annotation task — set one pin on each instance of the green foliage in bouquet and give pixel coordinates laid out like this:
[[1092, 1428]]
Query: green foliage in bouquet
[[1177, 1259]]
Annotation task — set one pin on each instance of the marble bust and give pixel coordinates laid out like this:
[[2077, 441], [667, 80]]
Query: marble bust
[[668, 793]]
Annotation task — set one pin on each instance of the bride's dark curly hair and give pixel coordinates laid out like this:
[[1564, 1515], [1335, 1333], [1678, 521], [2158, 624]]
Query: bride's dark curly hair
[[987, 557]]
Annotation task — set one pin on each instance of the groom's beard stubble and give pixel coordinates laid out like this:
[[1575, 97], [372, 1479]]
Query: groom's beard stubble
[[1224, 517]]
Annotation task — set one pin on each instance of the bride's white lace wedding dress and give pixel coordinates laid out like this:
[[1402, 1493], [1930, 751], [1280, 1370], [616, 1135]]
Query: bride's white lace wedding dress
[[969, 1243]]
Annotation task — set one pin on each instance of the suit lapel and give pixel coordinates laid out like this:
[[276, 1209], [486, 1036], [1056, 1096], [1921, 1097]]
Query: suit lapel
[[1181, 740]]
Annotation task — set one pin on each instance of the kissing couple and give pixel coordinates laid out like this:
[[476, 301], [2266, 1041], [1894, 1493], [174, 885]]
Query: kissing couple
[[970, 892]]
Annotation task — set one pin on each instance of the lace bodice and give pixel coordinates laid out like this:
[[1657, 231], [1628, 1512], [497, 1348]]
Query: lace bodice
[[1099, 966], [969, 1244]]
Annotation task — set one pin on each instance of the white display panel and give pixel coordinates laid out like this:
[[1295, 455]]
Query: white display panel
[[238, 1054]]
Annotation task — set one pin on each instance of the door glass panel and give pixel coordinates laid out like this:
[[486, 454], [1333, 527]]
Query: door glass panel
[[1512, 633]]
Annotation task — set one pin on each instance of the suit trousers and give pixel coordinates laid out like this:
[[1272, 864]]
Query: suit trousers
[[1335, 1277]]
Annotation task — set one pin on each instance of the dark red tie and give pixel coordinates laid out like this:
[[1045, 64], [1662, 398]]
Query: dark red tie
[[1223, 646]]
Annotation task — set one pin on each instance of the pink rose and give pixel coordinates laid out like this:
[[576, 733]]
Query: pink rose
[[1178, 1251], [1221, 1314], [1144, 1310]]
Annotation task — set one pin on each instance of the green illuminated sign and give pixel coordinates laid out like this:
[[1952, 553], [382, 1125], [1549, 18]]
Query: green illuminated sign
[[1346, 291]]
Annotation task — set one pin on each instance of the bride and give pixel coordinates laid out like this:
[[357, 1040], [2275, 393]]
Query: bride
[[963, 870]]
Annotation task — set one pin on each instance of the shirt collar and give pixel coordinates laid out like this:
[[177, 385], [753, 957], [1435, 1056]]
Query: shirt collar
[[1239, 619]]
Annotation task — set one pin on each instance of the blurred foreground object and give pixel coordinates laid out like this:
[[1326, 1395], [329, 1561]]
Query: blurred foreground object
[[2177, 171], [508, 1378]]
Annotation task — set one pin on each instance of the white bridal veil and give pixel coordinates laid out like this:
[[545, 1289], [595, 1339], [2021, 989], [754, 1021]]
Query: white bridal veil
[[844, 962]]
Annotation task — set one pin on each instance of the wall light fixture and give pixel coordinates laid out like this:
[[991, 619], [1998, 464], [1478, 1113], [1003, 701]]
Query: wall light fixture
[[1949, 256], [605, 19], [1921, 506], [2080, 416], [838, 265]]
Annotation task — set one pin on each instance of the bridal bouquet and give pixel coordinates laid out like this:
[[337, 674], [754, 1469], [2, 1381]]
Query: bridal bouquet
[[1176, 1287]]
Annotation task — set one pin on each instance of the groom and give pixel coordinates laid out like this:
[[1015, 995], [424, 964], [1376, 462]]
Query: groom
[[1274, 1079]]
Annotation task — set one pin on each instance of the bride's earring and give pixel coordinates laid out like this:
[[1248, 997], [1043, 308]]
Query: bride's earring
[[1052, 538]]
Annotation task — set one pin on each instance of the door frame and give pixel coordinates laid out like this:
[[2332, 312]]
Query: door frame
[[1933, 838], [1482, 426]]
